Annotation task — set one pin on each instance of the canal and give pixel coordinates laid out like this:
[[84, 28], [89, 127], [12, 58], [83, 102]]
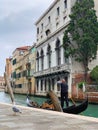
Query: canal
[[91, 111]]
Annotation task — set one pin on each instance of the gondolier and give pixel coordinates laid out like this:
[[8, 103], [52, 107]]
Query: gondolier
[[64, 92]]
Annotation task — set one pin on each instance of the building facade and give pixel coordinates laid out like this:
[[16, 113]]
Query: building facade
[[23, 67], [19, 72], [51, 65], [30, 67]]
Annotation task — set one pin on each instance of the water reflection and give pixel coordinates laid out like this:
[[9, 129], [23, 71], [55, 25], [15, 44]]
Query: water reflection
[[91, 111]]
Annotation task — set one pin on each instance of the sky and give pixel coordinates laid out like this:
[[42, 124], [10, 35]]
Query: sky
[[17, 25]]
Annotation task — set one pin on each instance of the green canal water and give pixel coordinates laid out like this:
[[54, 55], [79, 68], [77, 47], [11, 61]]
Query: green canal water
[[91, 111]]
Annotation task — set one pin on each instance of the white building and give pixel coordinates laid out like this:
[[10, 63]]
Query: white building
[[51, 65], [50, 62]]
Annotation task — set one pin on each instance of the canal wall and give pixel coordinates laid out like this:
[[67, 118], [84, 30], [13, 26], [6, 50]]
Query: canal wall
[[38, 119]]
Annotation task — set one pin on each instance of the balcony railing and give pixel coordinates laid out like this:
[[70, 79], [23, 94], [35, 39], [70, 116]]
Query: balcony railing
[[53, 70]]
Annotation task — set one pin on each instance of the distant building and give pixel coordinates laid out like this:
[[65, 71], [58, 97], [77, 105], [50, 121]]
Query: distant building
[[2, 82], [29, 67], [19, 71]]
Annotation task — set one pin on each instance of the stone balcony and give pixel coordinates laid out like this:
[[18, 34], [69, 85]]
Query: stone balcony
[[51, 70]]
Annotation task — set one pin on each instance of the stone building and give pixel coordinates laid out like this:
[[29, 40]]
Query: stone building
[[51, 65], [20, 68], [19, 72], [30, 61]]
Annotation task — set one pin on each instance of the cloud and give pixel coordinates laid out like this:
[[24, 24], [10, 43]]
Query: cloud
[[13, 6], [18, 22], [17, 18]]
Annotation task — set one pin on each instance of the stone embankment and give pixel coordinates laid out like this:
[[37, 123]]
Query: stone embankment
[[37, 119]]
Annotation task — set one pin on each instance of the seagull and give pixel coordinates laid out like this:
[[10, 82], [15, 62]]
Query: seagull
[[16, 110]]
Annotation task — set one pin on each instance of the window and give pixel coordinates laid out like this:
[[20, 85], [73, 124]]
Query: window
[[14, 74], [18, 86], [45, 84], [58, 52], [42, 26], [52, 84], [37, 82], [37, 61], [42, 59], [24, 73], [49, 84], [18, 75], [14, 61], [48, 32], [58, 11], [49, 20], [49, 55], [65, 3], [41, 85], [37, 30]]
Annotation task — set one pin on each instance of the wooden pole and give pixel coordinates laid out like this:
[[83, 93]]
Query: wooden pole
[[10, 91]]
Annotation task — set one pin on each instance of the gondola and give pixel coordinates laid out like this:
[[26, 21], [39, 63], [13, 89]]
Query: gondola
[[55, 105], [46, 105], [76, 109]]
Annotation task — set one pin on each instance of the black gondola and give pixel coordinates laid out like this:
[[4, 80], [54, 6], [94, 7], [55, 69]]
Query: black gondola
[[75, 109]]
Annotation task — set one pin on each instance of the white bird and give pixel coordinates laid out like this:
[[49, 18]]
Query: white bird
[[16, 110]]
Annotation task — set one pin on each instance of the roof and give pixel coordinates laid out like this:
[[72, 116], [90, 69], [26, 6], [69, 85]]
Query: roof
[[23, 48]]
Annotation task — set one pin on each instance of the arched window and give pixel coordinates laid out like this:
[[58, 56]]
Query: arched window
[[37, 82], [37, 59], [58, 52], [48, 32], [65, 3], [53, 83], [41, 85], [49, 55], [49, 84], [45, 81], [42, 59]]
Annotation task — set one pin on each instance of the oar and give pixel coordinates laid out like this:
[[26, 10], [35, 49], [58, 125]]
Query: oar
[[73, 101]]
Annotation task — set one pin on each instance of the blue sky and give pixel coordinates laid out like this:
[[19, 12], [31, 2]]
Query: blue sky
[[17, 19]]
